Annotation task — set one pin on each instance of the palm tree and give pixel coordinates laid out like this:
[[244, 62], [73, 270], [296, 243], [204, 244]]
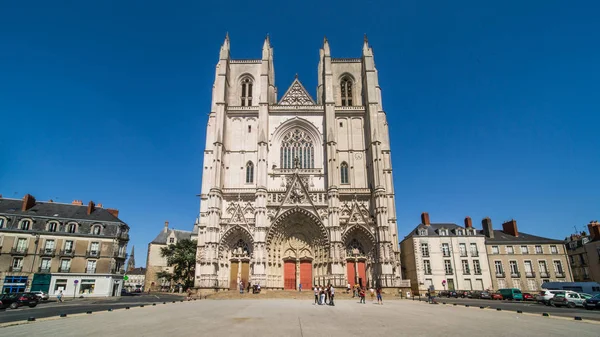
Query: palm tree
[[182, 257]]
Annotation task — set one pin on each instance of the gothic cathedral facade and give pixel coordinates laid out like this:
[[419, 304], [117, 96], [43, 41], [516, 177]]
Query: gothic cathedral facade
[[297, 191]]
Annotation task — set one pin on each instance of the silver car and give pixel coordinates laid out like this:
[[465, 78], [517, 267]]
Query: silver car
[[42, 296]]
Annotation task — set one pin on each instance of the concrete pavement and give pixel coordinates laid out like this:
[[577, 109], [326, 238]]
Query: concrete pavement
[[300, 318]]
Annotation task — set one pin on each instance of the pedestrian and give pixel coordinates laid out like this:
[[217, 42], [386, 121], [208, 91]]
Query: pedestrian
[[249, 286], [326, 291], [60, 296], [379, 298], [331, 295], [316, 290], [241, 287], [361, 294], [348, 288], [300, 287], [322, 293], [372, 293]]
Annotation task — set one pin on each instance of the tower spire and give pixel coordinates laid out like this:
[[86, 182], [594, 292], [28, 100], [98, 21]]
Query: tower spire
[[326, 49], [131, 262], [224, 54]]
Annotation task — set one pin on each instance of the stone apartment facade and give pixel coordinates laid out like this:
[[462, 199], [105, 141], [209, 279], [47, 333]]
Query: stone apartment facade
[[155, 263], [524, 261], [136, 279], [446, 256], [50, 246], [584, 254]]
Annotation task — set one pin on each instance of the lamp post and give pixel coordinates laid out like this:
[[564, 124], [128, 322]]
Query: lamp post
[[35, 252]]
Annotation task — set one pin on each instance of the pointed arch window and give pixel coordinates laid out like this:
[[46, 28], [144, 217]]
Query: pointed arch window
[[249, 172], [246, 91], [297, 150], [346, 88], [344, 173]]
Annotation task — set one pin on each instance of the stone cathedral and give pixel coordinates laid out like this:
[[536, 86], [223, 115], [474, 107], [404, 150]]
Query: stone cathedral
[[296, 190]]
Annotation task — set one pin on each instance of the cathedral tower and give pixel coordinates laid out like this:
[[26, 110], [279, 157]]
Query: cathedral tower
[[297, 191]]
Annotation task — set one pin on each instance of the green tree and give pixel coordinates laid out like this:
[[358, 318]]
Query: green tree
[[182, 257]]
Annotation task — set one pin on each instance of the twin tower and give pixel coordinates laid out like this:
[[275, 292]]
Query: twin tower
[[296, 190]]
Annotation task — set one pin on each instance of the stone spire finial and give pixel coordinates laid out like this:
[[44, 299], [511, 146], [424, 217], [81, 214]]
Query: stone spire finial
[[326, 49], [224, 54]]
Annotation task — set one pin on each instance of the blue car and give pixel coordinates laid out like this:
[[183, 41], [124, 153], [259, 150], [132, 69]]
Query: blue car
[[592, 303]]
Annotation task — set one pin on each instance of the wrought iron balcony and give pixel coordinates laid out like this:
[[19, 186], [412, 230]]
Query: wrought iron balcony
[[427, 272], [560, 274], [530, 274], [500, 274], [478, 272], [120, 255], [475, 254], [117, 271], [64, 270], [44, 269], [123, 236], [92, 253], [67, 252], [47, 251], [90, 270], [18, 251], [449, 271], [515, 274], [15, 269], [544, 274]]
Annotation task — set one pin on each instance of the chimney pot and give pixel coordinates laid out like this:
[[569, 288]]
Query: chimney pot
[[488, 229], [28, 202], [114, 212], [77, 202], [468, 222], [425, 218], [98, 205], [91, 207], [510, 227], [594, 230]]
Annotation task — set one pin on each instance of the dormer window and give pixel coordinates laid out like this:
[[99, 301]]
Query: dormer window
[[2, 222], [96, 230], [246, 91], [171, 240], [72, 228], [25, 225], [346, 91], [422, 232], [459, 232], [443, 232], [53, 226]]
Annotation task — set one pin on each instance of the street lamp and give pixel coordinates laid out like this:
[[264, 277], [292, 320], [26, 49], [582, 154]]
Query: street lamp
[[37, 240]]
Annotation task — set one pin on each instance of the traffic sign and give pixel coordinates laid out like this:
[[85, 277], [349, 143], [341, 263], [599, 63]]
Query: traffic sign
[[75, 281], [125, 277]]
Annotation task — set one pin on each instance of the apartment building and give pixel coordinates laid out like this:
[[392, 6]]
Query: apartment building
[[446, 256], [584, 254], [524, 261], [53, 247]]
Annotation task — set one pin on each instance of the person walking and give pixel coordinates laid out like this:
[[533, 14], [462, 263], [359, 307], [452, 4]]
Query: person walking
[[316, 290], [372, 293], [322, 293], [60, 296], [300, 287], [379, 298], [331, 295], [362, 295], [241, 287]]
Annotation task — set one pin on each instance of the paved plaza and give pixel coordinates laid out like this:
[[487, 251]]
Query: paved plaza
[[300, 318]]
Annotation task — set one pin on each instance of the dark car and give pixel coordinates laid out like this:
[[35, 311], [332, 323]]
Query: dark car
[[463, 293], [475, 294], [16, 300], [485, 295], [451, 293], [592, 303]]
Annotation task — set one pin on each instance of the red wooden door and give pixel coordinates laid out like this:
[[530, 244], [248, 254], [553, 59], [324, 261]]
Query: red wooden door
[[289, 275], [362, 275], [306, 274], [350, 273]]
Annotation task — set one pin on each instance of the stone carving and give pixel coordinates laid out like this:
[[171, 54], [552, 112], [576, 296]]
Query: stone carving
[[296, 95]]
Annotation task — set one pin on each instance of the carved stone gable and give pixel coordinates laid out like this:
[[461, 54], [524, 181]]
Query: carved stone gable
[[296, 95], [296, 195]]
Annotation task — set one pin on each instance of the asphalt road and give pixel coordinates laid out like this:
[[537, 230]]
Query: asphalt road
[[76, 306], [527, 306]]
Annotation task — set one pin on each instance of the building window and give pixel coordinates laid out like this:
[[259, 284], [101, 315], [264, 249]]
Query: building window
[[25, 225], [465, 266], [499, 269], [474, 251], [463, 249], [297, 149], [476, 267], [501, 283], [246, 91], [554, 249], [543, 269], [2, 221], [344, 172], [572, 258], [65, 266], [91, 267], [510, 250], [524, 250], [45, 265], [49, 247], [445, 249], [459, 232], [95, 248], [17, 264], [14, 284], [424, 232], [249, 128], [425, 250], [532, 285], [68, 247], [514, 269], [495, 250], [249, 172], [427, 267], [171, 240], [346, 89], [21, 245], [448, 267], [96, 230], [516, 283], [529, 269], [443, 232], [558, 268], [53, 226], [539, 250], [72, 228], [60, 285], [87, 287]]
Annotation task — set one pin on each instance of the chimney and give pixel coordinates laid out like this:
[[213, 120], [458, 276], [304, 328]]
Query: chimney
[[510, 227], [98, 205], [77, 202], [91, 207], [425, 219], [488, 229], [114, 212], [594, 230], [28, 202], [468, 222], [166, 226]]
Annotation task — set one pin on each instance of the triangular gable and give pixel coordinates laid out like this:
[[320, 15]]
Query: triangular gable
[[238, 216], [296, 95], [296, 195], [358, 215]]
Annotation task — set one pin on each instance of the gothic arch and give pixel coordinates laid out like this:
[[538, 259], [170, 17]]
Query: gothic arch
[[361, 230], [233, 234], [308, 128], [279, 222]]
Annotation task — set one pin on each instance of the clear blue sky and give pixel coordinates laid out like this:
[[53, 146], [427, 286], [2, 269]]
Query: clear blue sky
[[493, 105]]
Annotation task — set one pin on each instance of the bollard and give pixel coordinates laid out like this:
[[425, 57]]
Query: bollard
[[173, 301], [499, 309], [88, 312], [126, 308], [481, 307], [577, 318], [181, 301], [466, 305], [519, 311], [109, 309], [30, 319], [164, 302], [454, 304], [546, 314], [63, 315], [141, 306], [153, 304]]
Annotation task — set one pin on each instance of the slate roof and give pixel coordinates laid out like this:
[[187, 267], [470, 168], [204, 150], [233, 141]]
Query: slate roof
[[137, 271], [162, 237], [55, 210], [432, 230], [501, 237]]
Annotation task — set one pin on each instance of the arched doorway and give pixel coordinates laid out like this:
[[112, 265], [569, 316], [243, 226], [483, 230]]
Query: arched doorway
[[235, 254], [298, 248], [359, 246]]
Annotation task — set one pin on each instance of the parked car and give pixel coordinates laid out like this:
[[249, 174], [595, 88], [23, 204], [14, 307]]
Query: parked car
[[497, 296], [15, 300], [463, 293], [485, 295], [452, 293], [545, 295], [475, 294], [42, 296], [570, 300], [592, 303], [511, 294], [528, 297]]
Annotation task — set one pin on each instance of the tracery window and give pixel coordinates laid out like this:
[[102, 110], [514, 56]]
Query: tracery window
[[241, 248], [249, 173], [355, 248], [297, 149], [346, 89], [246, 92], [344, 173]]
